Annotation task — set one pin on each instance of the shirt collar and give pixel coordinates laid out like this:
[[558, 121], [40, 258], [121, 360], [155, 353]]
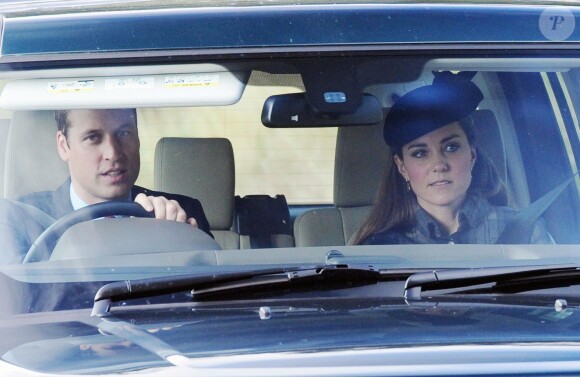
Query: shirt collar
[[78, 203], [472, 213]]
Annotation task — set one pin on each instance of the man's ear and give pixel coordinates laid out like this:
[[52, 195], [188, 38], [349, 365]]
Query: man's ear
[[401, 166], [62, 146]]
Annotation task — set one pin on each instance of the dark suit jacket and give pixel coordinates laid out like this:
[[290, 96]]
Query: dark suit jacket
[[21, 225]]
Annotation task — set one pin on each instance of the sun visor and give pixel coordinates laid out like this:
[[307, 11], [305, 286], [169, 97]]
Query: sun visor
[[154, 90], [293, 110]]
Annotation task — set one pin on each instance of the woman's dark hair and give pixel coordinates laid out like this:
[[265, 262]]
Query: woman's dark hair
[[394, 207]]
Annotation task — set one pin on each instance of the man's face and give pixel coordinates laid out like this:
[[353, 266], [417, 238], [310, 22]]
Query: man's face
[[102, 151]]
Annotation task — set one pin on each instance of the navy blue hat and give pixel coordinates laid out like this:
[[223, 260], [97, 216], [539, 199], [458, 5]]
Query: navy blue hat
[[451, 97]]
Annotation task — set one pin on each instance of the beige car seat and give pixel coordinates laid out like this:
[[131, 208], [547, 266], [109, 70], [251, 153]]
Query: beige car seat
[[32, 163], [360, 160], [202, 168]]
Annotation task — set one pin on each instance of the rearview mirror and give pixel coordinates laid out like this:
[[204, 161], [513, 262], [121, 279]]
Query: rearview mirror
[[292, 110]]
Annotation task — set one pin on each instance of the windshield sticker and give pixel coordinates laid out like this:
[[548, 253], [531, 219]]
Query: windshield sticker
[[71, 86], [557, 23], [178, 81], [135, 82]]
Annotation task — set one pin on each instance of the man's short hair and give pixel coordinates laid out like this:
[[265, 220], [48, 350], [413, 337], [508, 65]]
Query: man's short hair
[[61, 117], [63, 124]]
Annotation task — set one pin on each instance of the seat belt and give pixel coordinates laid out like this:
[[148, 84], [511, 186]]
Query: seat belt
[[519, 230], [43, 218]]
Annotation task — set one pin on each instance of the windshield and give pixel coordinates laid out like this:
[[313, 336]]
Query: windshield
[[155, 175]]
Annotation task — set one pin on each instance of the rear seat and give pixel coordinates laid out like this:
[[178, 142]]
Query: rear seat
[[263, 222], [202, 168]]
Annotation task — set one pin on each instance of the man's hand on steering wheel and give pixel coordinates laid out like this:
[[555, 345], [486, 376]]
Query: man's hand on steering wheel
[[164, 208]]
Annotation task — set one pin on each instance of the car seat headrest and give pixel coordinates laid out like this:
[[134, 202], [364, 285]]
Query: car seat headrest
[[361, 159], [202, 168], [32, 161]]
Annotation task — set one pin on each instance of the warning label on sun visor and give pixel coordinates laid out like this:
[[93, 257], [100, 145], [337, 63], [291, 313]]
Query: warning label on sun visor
[[124, 83], [198, 80], [71, 86]]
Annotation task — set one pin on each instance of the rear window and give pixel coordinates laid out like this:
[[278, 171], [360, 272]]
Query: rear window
[[298, 163]]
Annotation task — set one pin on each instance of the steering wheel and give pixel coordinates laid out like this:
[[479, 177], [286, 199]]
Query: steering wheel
[[43, 246]]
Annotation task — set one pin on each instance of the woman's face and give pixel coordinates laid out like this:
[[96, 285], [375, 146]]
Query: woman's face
[[438, 167]]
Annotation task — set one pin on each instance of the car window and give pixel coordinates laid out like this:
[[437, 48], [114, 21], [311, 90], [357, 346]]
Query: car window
[[296, 162]]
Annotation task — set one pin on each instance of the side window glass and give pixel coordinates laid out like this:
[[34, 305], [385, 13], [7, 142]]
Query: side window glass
[[546, 127]]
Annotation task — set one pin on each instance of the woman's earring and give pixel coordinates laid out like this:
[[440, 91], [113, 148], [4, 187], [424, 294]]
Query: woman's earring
[[408, 185]]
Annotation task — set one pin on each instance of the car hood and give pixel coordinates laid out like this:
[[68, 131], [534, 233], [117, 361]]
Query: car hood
[[147, 336]]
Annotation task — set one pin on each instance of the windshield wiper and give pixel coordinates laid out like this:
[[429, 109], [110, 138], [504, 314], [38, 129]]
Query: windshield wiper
[[142, 288], [500, 279], [203, 285]]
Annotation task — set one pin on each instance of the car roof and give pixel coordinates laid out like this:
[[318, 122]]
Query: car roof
[[109, 29]]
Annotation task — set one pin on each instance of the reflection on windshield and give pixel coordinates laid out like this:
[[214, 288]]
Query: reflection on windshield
[[459, 158]]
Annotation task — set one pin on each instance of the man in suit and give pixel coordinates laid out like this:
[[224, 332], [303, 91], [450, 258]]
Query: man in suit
[[101, 148]]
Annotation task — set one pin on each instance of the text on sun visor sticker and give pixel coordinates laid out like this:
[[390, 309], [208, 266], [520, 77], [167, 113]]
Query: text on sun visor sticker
[[135, 83], [176, 81], [71, 86], [138, 82]]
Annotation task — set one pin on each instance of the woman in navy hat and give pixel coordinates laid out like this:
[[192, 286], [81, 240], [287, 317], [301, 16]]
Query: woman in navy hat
[[441, 188]]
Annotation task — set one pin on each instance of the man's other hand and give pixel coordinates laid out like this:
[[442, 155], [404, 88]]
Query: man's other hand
[[164, 208]]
